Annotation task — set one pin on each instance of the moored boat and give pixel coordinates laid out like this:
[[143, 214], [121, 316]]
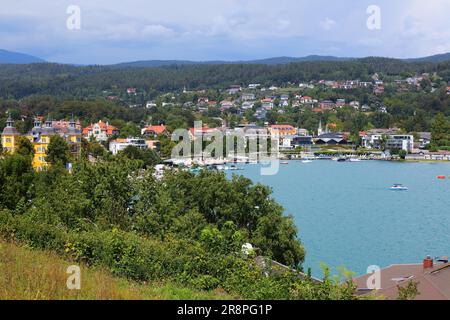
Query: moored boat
[[398, 187]]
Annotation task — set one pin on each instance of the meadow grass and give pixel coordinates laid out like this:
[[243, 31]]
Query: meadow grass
[[27, 274]]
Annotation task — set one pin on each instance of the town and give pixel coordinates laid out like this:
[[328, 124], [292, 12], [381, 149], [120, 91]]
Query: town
[[270, 112]]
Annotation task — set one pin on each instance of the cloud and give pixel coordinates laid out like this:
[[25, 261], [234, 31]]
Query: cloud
[[222, 29], [327, 24]]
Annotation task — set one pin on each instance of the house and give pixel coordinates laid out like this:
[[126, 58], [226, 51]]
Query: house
[[431, 277], [340, 103], [101, 131], [248, 97], [150, 104], [247, 105], [424, 140], [115, 146], [261, 114], [267, 104], [326, 105], [154, 131], [235, 89], [40, 137], [365, 108], [131, 90], [378, 89], [225, 105], [354, 104], [306, 100], [254, 85], [281, 130], [202, 100], [203, 132]]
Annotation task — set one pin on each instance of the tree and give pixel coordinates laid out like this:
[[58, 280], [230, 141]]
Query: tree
[[440, 131], [57, 151], [149, 157], [24, 147], [130, 130], [16, 179]]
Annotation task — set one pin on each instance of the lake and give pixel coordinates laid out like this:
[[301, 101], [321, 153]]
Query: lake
[[347, 216]]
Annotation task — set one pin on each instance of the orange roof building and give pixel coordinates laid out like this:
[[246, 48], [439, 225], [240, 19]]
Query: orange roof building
[[101, 131], [155, 130], [280, 130]]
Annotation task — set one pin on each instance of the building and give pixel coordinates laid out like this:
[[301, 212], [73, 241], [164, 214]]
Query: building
[[267, 104], [247, 105], [280, 130], [375, 138], [101, 131], [400, 142], [118, 145], [431, 277], [154, 131], [9, 136], [331, 138], [248, 97], [40, 137]]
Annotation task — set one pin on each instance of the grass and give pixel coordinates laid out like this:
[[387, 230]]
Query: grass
[[27, 274]]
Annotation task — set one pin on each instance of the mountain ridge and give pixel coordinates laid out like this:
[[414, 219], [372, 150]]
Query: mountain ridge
[[11, 57]]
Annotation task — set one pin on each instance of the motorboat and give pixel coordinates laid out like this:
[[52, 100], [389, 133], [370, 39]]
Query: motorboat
[[398, 187], [307, 161]]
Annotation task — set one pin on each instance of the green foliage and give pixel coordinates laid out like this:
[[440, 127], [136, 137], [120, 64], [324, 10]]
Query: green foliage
[[24, 147], [185, 228], [148, 157], [57, 151], [440, 132], [408, 292]]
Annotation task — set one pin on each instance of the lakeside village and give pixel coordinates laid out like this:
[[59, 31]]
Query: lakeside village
[[290, 142], [251, 108]]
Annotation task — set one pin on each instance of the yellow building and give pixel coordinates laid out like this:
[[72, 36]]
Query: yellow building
[[40, 137], [9, 136]]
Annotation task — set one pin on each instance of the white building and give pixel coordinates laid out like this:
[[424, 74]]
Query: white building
[[118, 145], [394, 141]]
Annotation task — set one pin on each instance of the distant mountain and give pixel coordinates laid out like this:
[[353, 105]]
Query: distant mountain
[[435, 58], [9, 57], [268, 61]]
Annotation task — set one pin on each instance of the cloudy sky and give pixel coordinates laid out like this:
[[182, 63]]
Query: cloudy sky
[[116, 31]]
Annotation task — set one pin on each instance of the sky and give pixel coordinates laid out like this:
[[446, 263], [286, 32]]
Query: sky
[[113, 31]]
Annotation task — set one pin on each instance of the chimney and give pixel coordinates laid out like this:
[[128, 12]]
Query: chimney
[[428, 263]]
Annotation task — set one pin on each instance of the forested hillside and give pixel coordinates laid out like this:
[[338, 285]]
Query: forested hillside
[[19, 81]]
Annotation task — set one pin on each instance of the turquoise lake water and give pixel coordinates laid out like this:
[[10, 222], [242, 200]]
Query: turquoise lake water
[[347, 216]]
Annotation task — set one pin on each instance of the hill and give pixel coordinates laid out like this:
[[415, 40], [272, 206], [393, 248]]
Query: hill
[[28, 274], [10, 57], [267, 61], [435, 58]]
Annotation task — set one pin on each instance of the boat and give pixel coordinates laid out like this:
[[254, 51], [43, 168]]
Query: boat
[[284, 162], [355, 160], [306, 161], [398, 187], [341, 160]]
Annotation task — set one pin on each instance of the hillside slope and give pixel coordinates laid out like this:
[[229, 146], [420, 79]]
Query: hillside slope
[[37, 275]]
